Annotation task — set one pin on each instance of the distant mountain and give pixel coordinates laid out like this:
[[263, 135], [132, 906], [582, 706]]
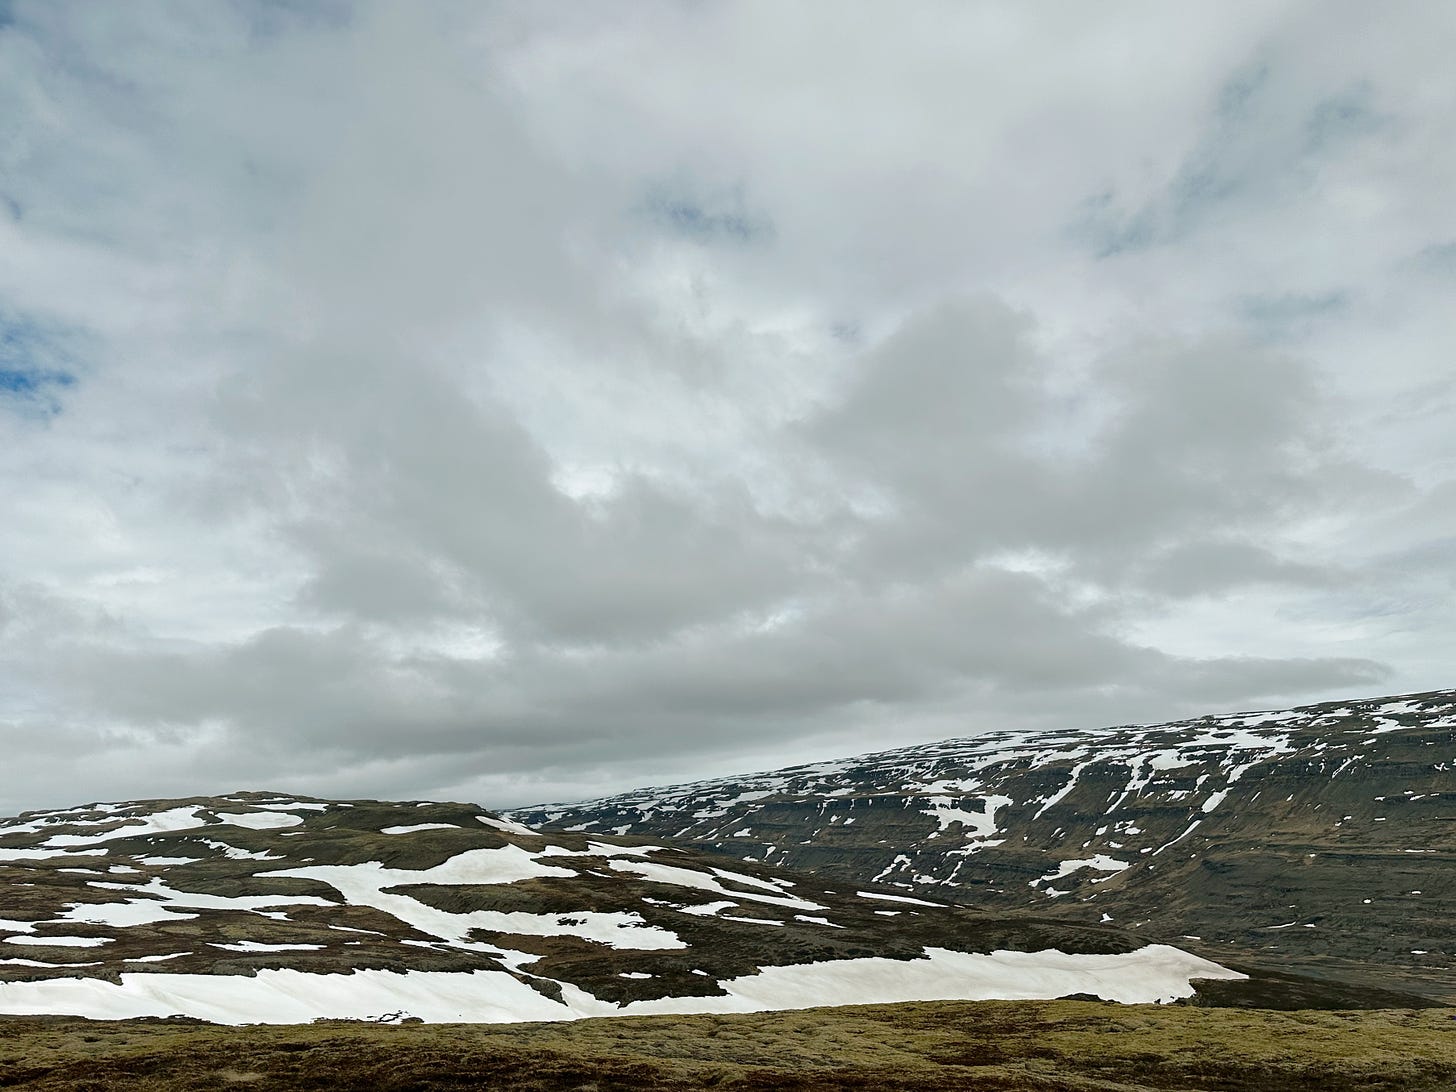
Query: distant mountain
[[1322, 838], [265, 908]]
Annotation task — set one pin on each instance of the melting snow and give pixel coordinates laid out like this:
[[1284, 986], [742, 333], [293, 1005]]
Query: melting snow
[[1064, 790], [1156, 973], [1101, 862], [365, 884], [47, 966], [687, 877], [267, 820], [894, 898], [510, 826], [294, 805], [234, 853], [707, 909], [44, 854], [161, 822]]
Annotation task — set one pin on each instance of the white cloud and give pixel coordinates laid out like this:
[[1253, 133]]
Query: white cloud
[[412, 399]]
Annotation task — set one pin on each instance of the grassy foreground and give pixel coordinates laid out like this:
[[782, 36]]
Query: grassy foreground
[[940, 1045]]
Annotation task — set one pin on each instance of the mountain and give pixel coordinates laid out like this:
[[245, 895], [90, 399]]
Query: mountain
[[1321, 838], [265, 908]]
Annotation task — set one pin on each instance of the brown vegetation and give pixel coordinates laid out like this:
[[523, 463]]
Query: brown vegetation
[[1058, 1045]]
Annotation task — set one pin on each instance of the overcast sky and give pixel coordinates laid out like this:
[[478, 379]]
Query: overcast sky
[[522, 402]]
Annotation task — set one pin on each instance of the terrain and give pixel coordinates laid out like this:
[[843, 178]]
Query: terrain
[[988, 1045], [1321, 839], [1263, 894], [265, 908]]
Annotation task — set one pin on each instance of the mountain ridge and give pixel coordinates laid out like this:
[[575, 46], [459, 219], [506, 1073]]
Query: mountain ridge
[[1279, 859], [1321, 835]]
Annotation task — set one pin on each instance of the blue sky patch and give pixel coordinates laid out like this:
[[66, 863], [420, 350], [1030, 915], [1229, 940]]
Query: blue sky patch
[[720, 218], [271, 20], [33, 392], [28, 384], [1438, 258], [32, 375], [1237, 96], [1343, 117], [1255, 143], [1206, 179], [1283, 316]]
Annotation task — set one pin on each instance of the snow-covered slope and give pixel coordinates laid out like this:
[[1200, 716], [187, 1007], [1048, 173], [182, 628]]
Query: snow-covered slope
[[1322, 834], [262, 908]]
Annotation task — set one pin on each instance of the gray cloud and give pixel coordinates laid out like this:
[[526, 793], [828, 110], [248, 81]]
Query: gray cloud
[[1213, 566], [953, 421]]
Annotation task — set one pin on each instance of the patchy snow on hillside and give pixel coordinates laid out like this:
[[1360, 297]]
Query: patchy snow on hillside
[[1156, 973]]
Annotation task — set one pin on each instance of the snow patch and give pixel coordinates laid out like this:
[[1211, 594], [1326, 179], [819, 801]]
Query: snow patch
[[414, 827], [895, 898], [1156, 973]]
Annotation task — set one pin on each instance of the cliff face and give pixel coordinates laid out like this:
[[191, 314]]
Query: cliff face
[[1321, 838]]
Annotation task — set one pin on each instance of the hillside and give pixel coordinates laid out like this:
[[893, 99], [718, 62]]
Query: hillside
[[1321, 838], [266, 908]]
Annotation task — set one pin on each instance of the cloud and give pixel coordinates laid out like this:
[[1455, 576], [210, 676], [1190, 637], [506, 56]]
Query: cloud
[[956, 423], [523, 403], [1212, 566]]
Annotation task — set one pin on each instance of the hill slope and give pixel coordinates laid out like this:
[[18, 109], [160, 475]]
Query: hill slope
[[1322, 837], [261, 908]]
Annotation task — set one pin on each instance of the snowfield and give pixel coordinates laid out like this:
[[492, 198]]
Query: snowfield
[[1156, 973]]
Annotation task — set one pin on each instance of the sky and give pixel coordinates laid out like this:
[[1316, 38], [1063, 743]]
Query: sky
[[518, 402]]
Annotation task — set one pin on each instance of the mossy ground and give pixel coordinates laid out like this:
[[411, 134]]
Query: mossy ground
[[943, 1045]]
